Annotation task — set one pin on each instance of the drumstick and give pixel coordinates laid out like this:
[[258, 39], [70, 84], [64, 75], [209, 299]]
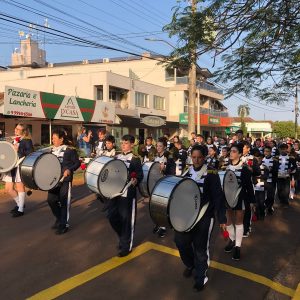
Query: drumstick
[[123, 191]]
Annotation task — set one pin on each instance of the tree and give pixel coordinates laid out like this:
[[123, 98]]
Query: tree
[[260, 43], [284, 129], [243, 111], [257, 39]]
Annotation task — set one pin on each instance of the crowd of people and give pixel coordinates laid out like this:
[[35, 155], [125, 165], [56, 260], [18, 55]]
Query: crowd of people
[[265, 170]]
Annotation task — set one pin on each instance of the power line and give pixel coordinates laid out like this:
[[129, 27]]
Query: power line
[[68, 36]]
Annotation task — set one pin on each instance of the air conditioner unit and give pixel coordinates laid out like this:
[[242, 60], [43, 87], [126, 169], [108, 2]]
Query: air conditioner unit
[[50, 65], [105, 60], [85, 62]]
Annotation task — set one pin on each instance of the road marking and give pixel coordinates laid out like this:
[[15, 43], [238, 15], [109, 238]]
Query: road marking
[[94, 272], [297, 293]]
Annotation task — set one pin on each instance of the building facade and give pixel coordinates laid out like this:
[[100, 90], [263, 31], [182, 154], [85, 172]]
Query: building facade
[[149, 99]]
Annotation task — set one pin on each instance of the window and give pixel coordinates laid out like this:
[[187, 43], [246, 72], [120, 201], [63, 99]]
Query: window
[[186, 103], [159, 103], [112, 96], [141, 99], [99, 92], [2, 130]]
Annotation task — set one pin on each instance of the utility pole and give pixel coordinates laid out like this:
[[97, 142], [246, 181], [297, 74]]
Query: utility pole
[[192, 81], [296, 112]]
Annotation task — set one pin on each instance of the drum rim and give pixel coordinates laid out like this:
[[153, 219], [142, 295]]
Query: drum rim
[[168, 206], [35, 187], [196, 219], [227, 171], [113, 159], [16, 154], [33, 170], [147, 181]]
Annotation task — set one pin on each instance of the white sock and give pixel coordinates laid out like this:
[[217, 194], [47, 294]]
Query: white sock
[[292, 193], [17, 200], [21, 201], [230, 229], [239, 231]]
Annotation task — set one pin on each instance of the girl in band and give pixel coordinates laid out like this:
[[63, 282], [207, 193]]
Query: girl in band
[[235, 215], [59, 198], [23, 145], [193, 246], [212, 158], [167, 167]]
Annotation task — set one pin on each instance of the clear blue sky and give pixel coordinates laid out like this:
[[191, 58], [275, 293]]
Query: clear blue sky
[[105, 22]]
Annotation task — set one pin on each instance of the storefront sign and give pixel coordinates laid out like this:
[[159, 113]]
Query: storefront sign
[[153, 121], [213, 120], [22, 103], [28, 103], [183, 118]]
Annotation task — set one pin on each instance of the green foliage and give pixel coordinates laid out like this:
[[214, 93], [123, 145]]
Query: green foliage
[[257, 40], [284, 129]]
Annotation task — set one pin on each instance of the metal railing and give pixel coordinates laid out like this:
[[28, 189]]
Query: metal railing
[[200, 84]]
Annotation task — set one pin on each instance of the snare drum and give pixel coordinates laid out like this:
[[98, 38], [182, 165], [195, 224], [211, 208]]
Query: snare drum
[[41, 171], [152, 174], [8, 156], [175, 201], [106, 176]]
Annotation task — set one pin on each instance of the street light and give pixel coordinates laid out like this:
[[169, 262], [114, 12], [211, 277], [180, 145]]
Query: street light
[[192, 86]]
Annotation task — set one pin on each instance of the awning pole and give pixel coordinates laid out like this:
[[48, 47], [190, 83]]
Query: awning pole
[[50, 132]]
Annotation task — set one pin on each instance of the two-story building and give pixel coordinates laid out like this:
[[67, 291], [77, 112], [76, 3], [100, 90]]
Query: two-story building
[[149, 98]]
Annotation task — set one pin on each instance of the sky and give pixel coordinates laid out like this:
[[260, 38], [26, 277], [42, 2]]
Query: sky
[[120, 24]]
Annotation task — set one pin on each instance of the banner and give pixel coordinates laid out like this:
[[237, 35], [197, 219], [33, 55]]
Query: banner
[[22, 103], [28, 103]]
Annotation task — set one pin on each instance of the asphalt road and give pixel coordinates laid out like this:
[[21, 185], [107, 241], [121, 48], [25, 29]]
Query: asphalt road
[[34, 259]]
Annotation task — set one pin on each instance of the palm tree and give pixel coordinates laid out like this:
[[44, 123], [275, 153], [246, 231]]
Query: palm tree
[[243, 111]]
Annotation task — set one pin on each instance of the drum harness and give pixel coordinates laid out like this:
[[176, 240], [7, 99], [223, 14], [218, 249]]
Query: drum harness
[[237, 169], [200, 173]]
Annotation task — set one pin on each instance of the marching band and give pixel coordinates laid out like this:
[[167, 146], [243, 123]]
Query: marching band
[[236, 180]]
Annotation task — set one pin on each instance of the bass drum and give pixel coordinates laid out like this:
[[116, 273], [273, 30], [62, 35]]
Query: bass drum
[[152, 174], [231, 188], [106, 176], [41, 171], [175, 202], [8, 156]]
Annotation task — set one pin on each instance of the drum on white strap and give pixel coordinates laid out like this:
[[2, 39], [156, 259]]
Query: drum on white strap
[[41, 171], [152, 174], [8, 156], [231, 188], [175, 202], [106, 176]]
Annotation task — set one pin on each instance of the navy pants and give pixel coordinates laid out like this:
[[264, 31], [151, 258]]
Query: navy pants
[[121, 214], [270, 188], [283, 190], [59, 200], [193, 247]]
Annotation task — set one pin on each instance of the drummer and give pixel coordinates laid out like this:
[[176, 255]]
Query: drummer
[[193, 246], [246, 196], [23, 145], [122, 210], [167, 167], [59, 198]]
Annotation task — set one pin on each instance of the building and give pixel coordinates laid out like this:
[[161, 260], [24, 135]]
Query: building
[[149, 98], [255, 129]]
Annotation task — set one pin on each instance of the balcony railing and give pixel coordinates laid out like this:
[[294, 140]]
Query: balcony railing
[[200, 84], [212, 112]]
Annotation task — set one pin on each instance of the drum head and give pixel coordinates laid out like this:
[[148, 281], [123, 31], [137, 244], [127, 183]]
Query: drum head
[[8, 156], [153, 176], [47, 172], [112, 178], [184, 205], [231, 188]]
